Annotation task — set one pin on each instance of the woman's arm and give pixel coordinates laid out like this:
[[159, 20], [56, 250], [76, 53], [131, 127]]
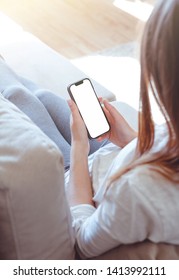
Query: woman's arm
[[80, 189], [124, 217]]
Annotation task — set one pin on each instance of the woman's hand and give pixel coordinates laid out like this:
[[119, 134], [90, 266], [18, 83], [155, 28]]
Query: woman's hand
[[78, 129], [120, 133]]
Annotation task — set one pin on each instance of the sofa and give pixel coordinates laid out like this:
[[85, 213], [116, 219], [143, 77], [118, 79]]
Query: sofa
[[35, 220]]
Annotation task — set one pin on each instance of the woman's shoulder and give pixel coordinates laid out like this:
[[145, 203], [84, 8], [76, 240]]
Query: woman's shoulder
[[146, 184], [147, 177]]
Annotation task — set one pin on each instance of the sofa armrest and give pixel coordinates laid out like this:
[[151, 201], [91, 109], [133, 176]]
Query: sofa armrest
[[35, 220]]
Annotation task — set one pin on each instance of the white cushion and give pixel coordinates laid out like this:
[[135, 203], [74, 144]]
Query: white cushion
[[35, 221]]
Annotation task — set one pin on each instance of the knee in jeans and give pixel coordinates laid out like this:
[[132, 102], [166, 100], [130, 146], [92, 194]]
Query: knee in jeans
[[15, 92], [44, 94]]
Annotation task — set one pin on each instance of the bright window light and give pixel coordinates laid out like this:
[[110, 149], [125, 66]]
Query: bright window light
[[9, 30], [120, 75], [136, 8]]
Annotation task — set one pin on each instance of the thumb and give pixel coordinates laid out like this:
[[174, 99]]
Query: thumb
[[76, 117], [73, 107]]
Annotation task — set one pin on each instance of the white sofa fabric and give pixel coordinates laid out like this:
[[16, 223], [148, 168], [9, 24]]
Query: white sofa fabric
[[34, 215]]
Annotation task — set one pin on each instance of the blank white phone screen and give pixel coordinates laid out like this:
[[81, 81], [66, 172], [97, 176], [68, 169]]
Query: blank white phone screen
[[90, 108]]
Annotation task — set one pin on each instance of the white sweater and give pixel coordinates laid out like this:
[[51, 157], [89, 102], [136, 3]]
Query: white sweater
[[140, 205]]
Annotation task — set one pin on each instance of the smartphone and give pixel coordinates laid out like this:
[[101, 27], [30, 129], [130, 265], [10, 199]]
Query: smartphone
[[84, 95]]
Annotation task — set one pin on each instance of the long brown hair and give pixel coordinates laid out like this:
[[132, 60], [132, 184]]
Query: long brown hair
[[159, 75]]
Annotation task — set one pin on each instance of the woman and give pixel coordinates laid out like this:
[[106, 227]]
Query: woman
[[128, 190], [134, 196]]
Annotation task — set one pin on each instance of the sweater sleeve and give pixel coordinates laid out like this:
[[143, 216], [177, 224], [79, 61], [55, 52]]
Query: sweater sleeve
[[125, 216]]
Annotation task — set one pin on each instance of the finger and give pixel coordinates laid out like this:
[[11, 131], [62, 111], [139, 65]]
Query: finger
[[103, 137], [112, 110], [71, 104], [100, 99], [74, 110], [107, 113], [104, 109]]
